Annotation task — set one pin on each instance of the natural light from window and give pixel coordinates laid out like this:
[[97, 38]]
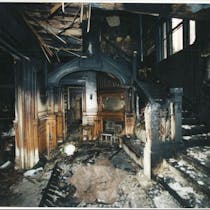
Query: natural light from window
[[192, 32], [176, 22], [177, 35], [164, 41]]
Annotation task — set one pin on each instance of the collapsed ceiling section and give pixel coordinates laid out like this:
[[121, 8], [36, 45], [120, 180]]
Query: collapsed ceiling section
[[58, 27]]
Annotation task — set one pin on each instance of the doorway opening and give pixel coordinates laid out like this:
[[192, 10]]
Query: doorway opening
[[73, 103]]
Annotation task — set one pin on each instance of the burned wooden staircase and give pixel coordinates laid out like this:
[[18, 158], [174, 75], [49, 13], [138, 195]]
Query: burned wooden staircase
[[186, 178], [186, 175], [194, 131]]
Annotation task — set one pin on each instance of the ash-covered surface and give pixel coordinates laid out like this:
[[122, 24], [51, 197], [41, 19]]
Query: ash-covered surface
[[97, 182], [49, 183], [98, 175], [19, 191], [202, 154], [133, 189], [185, 182]]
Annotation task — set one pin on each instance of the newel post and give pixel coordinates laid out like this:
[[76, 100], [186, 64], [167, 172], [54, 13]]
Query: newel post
[[176, 114], [152, 122]]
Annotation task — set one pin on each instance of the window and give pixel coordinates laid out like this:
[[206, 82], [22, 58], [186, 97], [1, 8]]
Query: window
[[177, 35], [164, 41], [192, 32], [172, 38]]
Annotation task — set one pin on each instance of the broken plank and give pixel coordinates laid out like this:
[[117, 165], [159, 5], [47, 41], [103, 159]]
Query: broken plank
[[55, 8], [39, 38], [47, 28], [71, 24], [73, 32], [89, 16]]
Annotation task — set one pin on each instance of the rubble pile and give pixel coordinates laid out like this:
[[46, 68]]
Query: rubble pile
[[98, 182], [98, 175]]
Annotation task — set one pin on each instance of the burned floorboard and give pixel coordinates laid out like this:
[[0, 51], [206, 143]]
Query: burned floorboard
[[160, 192], [135, 191], [59, 193], [168, 190]]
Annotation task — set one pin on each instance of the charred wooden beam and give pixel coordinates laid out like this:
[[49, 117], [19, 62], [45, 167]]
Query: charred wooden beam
[[71, 24], [68, 50], [73, 32], [89, 17], [54, 177], [45, 50], [49, 30], [65, 19], [11, 50], [55, 8]]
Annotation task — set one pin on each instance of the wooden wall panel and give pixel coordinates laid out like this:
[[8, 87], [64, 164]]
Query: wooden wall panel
[[42, 134], [59, 127]]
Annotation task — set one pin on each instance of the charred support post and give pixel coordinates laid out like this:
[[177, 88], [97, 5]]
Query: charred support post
[[152, 122], [25, 115], [176, 114]]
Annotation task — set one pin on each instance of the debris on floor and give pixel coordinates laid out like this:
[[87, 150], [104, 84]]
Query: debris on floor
[[98, 175], [98, 182], [5, 165], [33, 172]]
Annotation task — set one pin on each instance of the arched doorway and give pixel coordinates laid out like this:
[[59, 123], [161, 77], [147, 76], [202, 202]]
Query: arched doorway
[[81, 95], [83, 72]]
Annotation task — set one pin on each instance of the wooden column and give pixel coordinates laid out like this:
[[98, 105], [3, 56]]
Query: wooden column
[[35, 115], [176, 109], [25, 112], [152, 122], [148, 145], [18, 122]]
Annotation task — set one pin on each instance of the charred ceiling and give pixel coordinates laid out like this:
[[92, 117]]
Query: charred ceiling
[[60, 28]]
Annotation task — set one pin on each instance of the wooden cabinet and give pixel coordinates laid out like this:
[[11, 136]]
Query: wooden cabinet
[[111, 107]]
